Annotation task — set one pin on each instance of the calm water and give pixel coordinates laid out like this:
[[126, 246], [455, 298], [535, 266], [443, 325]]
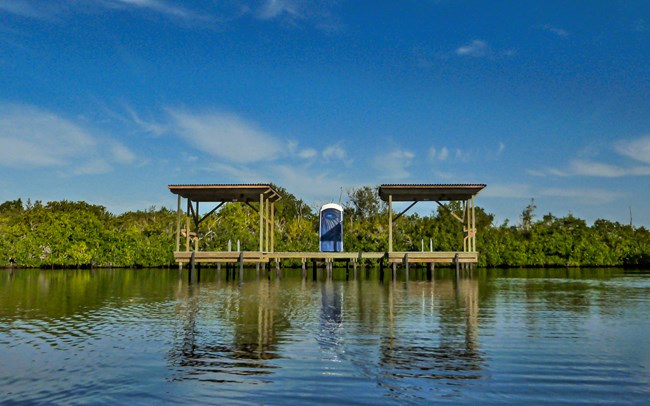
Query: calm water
[[490, 336]]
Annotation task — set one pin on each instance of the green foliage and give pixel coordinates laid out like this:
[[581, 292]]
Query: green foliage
[[79, 234]]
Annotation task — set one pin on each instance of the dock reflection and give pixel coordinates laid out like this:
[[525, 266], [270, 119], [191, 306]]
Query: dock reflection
[[227, 334], [447, 349], [398, 332]]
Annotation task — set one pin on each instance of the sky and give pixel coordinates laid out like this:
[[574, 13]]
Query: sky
[[110, 101]]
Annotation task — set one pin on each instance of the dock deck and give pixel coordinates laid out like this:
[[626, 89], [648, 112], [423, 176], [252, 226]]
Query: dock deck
[[265, 257]]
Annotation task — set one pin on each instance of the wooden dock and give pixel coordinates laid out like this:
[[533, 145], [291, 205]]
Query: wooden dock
[[262, 198], [354, 257]]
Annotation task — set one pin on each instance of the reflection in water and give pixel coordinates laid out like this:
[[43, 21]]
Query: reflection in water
[[207, 349], [449, 352], [331, 319], [118, 336]]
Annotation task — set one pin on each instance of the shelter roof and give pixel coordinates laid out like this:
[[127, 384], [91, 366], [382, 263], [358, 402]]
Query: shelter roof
[[226, 192], [431, 192]]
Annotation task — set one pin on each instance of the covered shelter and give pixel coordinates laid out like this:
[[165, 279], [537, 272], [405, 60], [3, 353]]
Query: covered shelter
[[260, 197], [437, 193]]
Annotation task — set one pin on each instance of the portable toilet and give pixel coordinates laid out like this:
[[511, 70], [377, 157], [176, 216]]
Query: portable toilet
[[330, 235]]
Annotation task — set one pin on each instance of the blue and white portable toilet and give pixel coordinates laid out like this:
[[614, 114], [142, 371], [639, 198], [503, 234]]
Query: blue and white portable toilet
[[330, 236]]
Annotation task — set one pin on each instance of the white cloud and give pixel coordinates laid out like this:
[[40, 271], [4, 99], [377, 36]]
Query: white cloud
[[122, 154], [226, 136], [638, 149], [52, 9], [560, 32], [583, 196], [590, 168], [508, 191], [578, 167], [335, 152], [315, 12], [94, 167], [476, 48], [435, 155], [274, 8], [36, 138], [394, 163], [307, 153], [148, 126], [502, 147], [25, 8], [323, 185]]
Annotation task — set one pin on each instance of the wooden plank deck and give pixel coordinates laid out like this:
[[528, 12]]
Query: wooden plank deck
[[392, 257]]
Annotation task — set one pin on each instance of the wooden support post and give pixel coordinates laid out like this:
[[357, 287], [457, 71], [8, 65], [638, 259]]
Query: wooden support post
[[187, 227], [406, 266], [394, 276], [178, 224], [314, 270], [267, 226], [390, 223], [304, 268], [191, 270], [272, 226], [277, 267], [261, 222], [241, 266], [473, 225], [457, 263]]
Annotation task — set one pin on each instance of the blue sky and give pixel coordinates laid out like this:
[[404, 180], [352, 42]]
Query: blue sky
[[109, 101]]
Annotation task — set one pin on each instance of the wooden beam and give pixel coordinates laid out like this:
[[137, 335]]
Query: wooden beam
[[212, 211], [451, 212], [405, 210]]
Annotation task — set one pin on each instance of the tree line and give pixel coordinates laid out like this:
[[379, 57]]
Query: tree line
[[79, 234]]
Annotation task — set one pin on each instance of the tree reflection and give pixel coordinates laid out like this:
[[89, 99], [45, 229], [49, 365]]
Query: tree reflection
[[235, 342]]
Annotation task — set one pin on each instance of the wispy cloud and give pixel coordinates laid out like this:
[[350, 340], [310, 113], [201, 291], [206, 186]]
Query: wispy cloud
[[583, 196], [508, 191], [637, 149], [317, 13], [476, 48], [560, 32], [26, 8], [274, 8], [36, 138], [226, 136], [438, 155], [158, 6], [394, 164], [579, 167], [335, 152], [307, 153]]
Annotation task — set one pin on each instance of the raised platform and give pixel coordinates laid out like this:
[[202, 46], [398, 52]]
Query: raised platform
[[392, 257]]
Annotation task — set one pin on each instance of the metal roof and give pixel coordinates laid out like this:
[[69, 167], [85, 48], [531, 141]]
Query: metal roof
[[226, 192], [430, 192]]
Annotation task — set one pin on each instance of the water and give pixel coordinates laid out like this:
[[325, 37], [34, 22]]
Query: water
[[488, 336]]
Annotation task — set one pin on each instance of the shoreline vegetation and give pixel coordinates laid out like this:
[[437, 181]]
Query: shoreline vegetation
[[66, 234]]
